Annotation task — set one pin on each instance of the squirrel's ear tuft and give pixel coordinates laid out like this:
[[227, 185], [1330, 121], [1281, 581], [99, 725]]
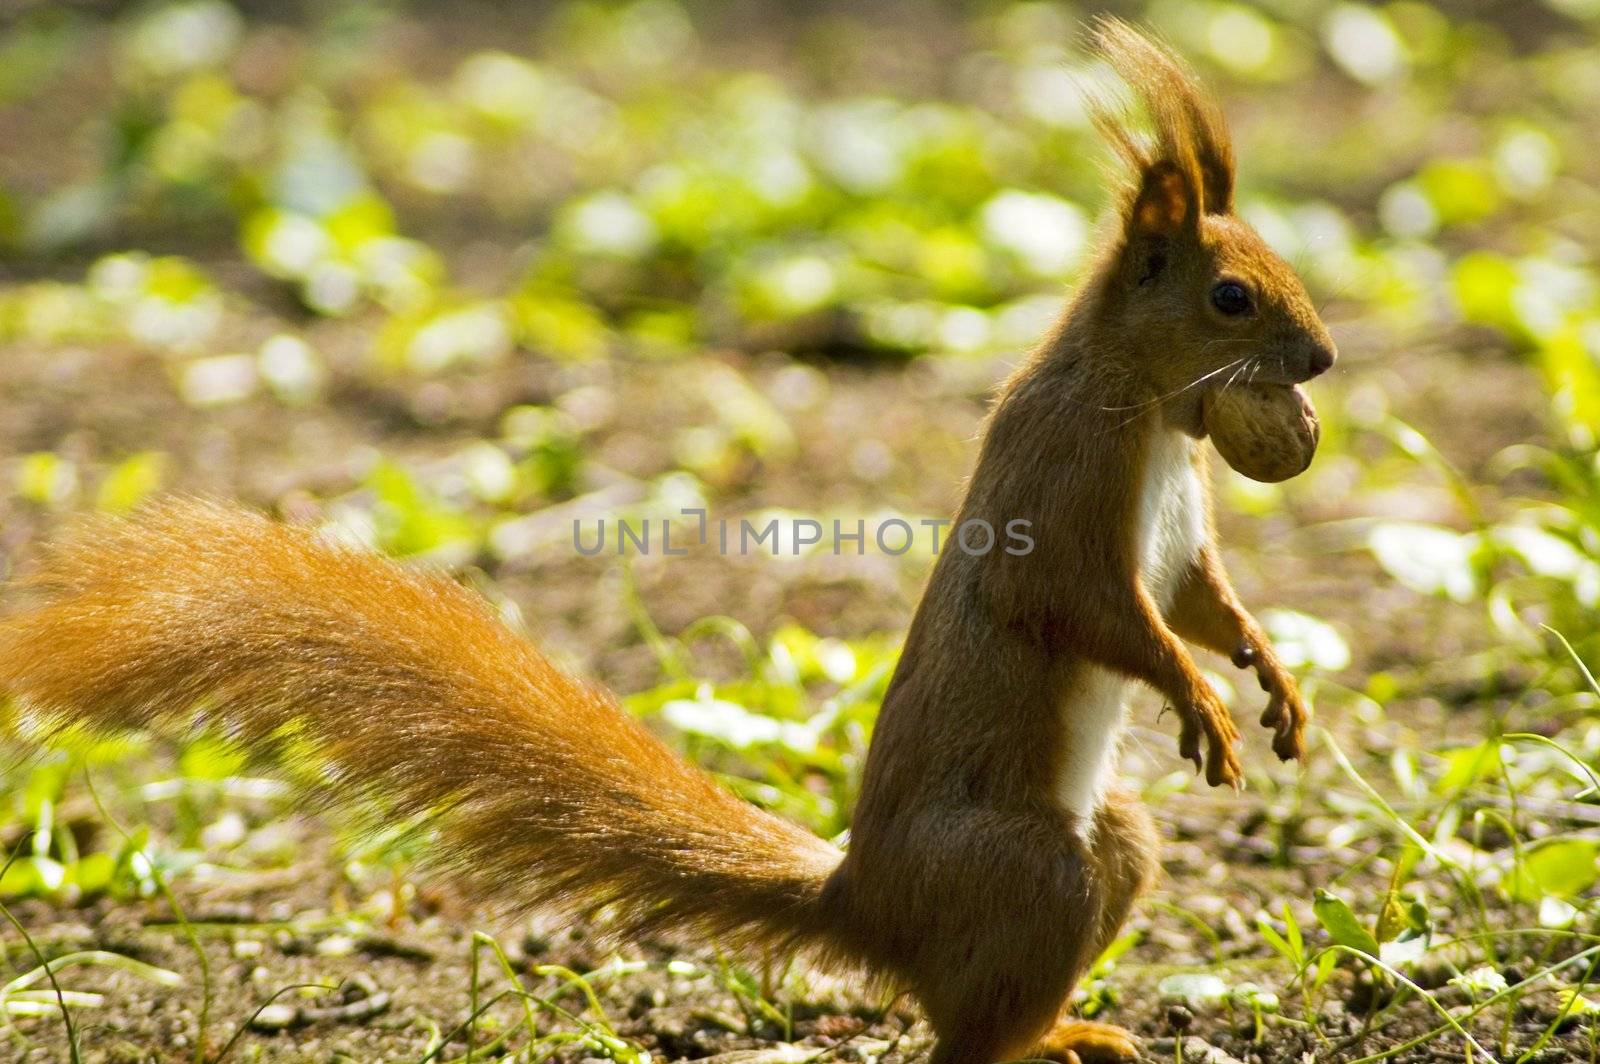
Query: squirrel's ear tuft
[[1190, 135]]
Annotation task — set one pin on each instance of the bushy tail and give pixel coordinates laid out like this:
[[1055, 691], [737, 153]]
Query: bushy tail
[[405, 688]]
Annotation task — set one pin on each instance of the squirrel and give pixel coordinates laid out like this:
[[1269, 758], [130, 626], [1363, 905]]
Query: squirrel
[[991, 856]]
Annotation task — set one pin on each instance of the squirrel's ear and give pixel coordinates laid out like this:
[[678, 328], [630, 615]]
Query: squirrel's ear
[[1167, 203], [1166, 208]]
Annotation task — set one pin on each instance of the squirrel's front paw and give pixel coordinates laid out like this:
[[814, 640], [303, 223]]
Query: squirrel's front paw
[[1204, 714], [1286, 713]]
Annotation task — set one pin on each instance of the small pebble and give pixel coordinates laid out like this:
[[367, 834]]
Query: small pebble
[[276, 1017], [336, 946]]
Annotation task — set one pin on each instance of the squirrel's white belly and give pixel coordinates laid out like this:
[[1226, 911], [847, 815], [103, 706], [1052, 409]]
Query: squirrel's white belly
[[1171, 531]]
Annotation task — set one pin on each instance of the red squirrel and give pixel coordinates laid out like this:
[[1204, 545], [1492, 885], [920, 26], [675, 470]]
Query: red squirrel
[[992, 856]]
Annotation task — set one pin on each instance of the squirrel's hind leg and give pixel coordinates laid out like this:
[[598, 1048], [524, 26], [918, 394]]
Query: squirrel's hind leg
[[995, 1013], [1001, 998], [1123, 853]]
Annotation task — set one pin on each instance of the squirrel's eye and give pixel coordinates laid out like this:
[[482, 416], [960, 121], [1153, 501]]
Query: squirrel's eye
[[1230, 297]]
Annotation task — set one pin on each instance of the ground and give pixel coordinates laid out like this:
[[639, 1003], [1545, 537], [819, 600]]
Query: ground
[[1419, 818]]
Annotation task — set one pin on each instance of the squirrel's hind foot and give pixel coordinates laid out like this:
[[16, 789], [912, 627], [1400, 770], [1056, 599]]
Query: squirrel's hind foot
[[1086, 1042]]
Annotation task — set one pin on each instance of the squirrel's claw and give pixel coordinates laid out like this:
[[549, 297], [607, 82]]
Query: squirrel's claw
[[1289, 740], [1286, 721], [1220, 762], [1272, 716], [1286, 713], [1189, 742]]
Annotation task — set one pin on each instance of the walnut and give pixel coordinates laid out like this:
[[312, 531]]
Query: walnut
[[1268, 432]]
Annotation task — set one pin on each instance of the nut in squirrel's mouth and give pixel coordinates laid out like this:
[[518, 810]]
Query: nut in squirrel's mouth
[[1267, 432]]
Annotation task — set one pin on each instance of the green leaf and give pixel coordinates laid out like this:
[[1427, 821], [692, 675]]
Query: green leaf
[[1325, 966], [32, 877], [131, 482], [1304, 641], [1427, 558], [411, 520], [210, 758], [46, 478], [1484, 285], [1275, 940], [1341, 924], [1564, 868], [1297, 940], [1462, 190], [1108, 958], [734, 725], [1469, 765], [93, 874]]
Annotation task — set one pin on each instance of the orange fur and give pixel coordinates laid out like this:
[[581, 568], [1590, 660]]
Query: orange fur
[[991, 858], [413, 693]]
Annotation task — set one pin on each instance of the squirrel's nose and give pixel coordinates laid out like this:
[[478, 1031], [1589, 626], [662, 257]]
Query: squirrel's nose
[[1321, 360]]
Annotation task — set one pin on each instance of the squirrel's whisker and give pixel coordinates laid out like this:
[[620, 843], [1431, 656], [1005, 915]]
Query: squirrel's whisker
[[1177, 391]]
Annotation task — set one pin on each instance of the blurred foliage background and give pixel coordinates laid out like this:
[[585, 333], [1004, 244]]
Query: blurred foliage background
[[448, 276]]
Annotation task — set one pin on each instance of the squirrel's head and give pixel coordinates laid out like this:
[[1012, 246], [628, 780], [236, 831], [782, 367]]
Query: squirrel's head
[[1200, 298]]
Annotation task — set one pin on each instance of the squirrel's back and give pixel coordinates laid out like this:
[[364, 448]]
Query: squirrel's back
[[403, 687]]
